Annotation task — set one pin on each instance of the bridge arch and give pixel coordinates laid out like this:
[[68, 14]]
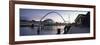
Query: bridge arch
[[50, 13], [40, 27]]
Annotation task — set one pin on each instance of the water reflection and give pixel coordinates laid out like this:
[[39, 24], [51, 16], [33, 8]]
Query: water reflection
[[45, 30]]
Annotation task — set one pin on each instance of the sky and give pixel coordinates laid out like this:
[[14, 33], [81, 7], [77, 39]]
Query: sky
[[36, 14]]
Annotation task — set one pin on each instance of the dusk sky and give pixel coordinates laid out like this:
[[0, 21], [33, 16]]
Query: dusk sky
[[37, 14]]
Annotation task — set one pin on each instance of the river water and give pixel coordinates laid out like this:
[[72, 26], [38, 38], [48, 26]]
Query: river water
[[45, 30], [51, 30]]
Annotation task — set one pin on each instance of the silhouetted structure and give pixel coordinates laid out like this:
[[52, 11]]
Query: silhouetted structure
[[58, 31], [48, 21], [83, 20], [68, 28], [38, 31]]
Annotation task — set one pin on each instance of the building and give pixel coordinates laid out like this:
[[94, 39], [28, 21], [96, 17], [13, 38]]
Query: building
[[83, 19]]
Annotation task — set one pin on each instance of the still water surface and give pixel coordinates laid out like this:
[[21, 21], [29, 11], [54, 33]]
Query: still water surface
[[46, 30]]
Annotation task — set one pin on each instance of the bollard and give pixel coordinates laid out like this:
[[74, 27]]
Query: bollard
[[58, 31]]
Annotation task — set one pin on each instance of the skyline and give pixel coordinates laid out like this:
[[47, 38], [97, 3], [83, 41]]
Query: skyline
[[37, 14]]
